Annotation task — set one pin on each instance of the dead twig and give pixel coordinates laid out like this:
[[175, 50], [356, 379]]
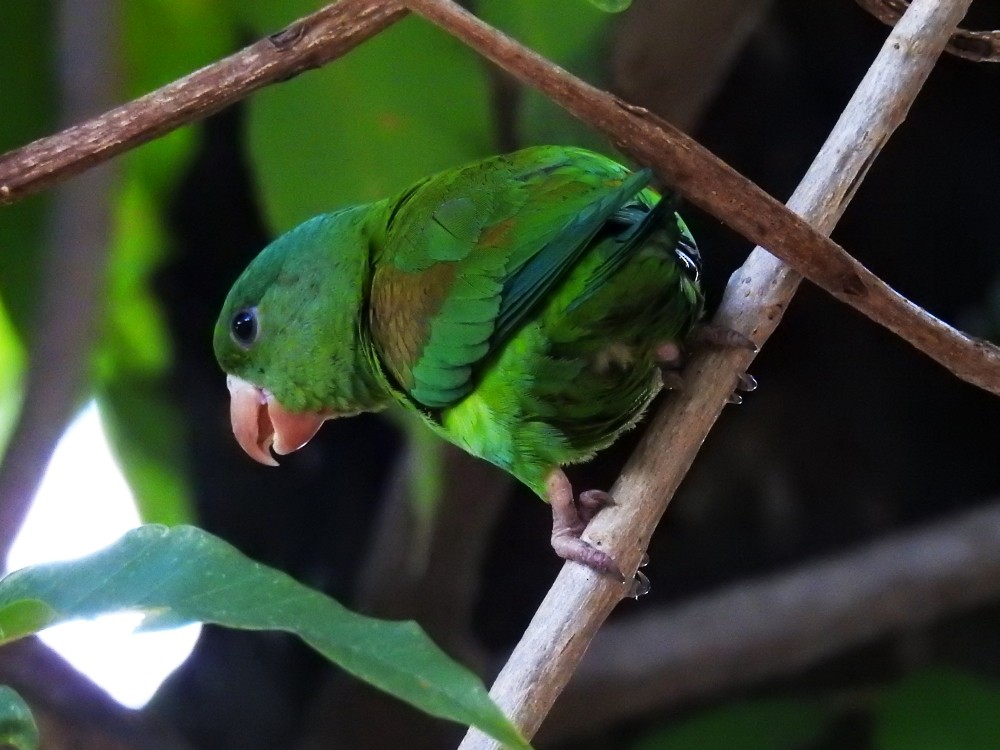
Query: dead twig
[[579, 600], [308, 43]]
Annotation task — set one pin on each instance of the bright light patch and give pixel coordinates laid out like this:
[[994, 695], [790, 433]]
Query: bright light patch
[[84, 504]]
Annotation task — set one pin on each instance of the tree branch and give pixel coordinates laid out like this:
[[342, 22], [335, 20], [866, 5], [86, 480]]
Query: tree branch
[[978, 46], [776, 625], [307, 43], [756, 297]]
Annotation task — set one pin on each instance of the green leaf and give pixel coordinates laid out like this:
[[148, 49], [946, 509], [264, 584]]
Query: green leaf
[[758, 725], [24, 617], [17, 725], [611, 6], [12, 362], [183, 574], [570, 34], [937, 709], [407, 103]]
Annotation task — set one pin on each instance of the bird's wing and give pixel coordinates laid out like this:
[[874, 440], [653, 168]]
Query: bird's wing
[[468, 254]]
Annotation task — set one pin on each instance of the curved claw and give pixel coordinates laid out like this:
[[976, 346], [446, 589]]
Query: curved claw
[[747, 383]]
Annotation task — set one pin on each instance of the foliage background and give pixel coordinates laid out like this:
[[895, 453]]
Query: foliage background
[[851, 435]]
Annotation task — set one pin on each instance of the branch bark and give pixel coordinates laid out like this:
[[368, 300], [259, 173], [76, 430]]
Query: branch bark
[[978, 46], [579, 601], [308, 43], [780, 624]]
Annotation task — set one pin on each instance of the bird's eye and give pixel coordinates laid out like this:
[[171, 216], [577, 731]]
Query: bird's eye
[[244, 326]]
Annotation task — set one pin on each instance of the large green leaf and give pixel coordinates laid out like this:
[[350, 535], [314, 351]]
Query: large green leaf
[[757, 725], [409, 102], [17, 726], [183, 574], [938, 709]]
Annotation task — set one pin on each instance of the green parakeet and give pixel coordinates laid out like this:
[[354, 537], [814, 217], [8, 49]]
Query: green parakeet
[[522, 305]]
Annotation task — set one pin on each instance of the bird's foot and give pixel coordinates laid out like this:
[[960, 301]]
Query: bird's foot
[[745, 383], [670, 359], [639, 586], [570, 517], [708, 334]]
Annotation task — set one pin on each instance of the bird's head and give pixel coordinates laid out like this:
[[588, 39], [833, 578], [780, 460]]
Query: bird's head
[[288, 336]]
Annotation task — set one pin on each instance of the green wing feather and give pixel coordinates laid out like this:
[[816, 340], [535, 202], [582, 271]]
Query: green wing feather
[[467, 254]]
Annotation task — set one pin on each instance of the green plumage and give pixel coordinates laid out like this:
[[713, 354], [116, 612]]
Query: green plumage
[[516, 303]]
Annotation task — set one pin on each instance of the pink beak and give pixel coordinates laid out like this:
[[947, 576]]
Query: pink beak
[[261, 423]]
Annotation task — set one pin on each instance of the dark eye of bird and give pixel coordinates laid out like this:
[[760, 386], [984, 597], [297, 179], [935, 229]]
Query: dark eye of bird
[[244, 327]]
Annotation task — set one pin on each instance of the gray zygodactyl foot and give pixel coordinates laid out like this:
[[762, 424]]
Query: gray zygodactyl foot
[[570, 517]]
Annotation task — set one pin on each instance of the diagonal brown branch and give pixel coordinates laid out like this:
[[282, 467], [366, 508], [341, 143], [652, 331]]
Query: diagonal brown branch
[[708, 182], [308, 43], [579, 601]]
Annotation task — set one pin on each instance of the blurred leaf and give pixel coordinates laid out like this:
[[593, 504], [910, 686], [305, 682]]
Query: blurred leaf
[[17, 726], [12, 363], [760, 725], [147, 436], [184, 574], [571, 34], [132, 357], [611, 6], [565, 31], [409, 102], [27, 81], [163, 40], [937, 709], [22, 618]]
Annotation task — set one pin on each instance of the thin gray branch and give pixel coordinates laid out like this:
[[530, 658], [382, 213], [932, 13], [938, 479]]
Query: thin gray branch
[[780, 624], [78, 241]]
